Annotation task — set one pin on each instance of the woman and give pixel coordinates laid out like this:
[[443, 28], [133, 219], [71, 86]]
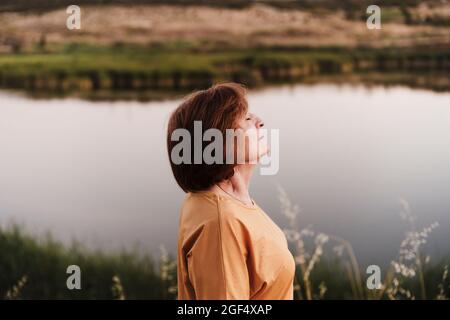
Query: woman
[[228, 248]]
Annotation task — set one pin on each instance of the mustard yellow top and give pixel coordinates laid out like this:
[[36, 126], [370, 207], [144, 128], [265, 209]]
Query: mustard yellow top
[[229, 250]]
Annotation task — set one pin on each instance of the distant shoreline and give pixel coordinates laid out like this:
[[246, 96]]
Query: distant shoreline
[[139, 72], [150, 50]]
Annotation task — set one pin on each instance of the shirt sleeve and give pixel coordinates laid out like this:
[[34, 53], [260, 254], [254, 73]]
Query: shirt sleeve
[[217, 265]]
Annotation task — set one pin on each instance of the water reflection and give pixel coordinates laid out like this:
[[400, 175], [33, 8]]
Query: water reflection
[[99, 170]]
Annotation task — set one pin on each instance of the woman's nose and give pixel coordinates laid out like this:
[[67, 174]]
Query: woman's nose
[[259, 123]]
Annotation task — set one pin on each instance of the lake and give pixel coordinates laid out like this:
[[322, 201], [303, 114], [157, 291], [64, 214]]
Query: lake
[[99, 171]]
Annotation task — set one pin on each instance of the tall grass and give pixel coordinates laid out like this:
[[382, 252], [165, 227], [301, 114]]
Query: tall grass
[[327, 268], [406, 277], [44, 261]]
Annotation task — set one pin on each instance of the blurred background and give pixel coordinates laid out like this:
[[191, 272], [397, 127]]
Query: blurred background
[[364, 139]]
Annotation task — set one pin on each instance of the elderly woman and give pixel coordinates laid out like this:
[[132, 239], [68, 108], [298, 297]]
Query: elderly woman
[[228, 247]]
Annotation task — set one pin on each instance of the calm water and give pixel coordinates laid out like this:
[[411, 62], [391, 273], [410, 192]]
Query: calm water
[[99, 171]]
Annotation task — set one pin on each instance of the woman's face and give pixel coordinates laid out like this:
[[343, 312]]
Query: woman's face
[[255, 139]]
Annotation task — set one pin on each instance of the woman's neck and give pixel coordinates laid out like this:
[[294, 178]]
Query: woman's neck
[[238, 185]]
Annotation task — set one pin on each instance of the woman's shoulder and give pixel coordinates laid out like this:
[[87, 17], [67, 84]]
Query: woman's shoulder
[[207, 207]]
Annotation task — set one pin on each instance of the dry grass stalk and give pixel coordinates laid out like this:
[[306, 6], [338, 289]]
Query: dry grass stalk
[[14, 292], [408, 265], [117, 289]]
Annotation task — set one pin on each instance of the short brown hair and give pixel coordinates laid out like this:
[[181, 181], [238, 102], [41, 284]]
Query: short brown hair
[[219, 107]]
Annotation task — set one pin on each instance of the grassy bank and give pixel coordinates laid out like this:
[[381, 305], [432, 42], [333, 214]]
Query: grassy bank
[[148, 49], [35, 268], [149, 71], [42, 263]]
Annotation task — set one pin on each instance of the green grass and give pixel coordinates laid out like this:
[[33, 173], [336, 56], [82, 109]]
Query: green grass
[[81, 68], [392, 14], [43, 261], [76, 58], [105, 72]]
